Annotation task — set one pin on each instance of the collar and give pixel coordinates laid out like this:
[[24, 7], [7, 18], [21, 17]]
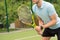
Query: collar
[[43, 2]]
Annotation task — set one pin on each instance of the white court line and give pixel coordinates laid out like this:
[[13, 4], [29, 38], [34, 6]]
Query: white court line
[[27, 37]]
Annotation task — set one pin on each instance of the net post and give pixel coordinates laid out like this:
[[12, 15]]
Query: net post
[[7, 25]]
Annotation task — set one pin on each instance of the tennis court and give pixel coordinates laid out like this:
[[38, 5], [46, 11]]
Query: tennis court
[[24, 34]]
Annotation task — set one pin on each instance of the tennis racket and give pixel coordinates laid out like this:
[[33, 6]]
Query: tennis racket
[[26, 16]]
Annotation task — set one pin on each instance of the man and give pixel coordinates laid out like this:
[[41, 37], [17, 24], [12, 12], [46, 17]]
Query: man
[[49, 19]]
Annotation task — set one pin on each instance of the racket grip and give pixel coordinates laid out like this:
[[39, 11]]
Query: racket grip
[[41, 27]]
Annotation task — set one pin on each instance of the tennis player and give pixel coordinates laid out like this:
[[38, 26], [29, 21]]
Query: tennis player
[[50, 20]]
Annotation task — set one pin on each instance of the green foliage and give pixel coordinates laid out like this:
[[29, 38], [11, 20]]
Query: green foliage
[[52, 1], [13, 5], [57, 7], [58, 2]]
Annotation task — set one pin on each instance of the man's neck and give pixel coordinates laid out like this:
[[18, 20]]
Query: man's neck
[[39, 3]]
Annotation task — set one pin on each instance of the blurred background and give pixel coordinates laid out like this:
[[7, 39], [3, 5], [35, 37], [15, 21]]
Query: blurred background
[[13, 21]]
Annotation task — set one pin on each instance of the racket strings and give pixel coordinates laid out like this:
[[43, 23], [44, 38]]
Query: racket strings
[[25, 14]]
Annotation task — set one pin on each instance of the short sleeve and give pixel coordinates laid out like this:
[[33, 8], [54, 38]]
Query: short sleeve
[[51, 10]]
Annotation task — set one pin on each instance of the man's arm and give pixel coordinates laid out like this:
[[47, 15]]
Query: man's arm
[[38, 27]]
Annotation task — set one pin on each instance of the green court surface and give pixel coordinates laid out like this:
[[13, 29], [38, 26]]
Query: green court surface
[[22, 35]]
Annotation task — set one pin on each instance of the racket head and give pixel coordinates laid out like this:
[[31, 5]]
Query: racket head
[[25, 14]]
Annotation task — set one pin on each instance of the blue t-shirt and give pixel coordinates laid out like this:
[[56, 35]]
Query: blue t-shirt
[[46, 10]]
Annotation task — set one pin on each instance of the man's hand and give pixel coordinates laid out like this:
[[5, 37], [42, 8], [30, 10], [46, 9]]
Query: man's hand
[[38, 29]]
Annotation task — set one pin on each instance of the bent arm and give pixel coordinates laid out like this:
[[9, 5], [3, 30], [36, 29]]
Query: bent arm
[[52, 22]]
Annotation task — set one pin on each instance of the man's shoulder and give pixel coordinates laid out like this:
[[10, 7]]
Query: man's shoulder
[[48, 3]]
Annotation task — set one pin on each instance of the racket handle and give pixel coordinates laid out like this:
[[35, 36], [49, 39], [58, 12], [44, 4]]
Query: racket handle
[[33, 25], [41, 27]]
